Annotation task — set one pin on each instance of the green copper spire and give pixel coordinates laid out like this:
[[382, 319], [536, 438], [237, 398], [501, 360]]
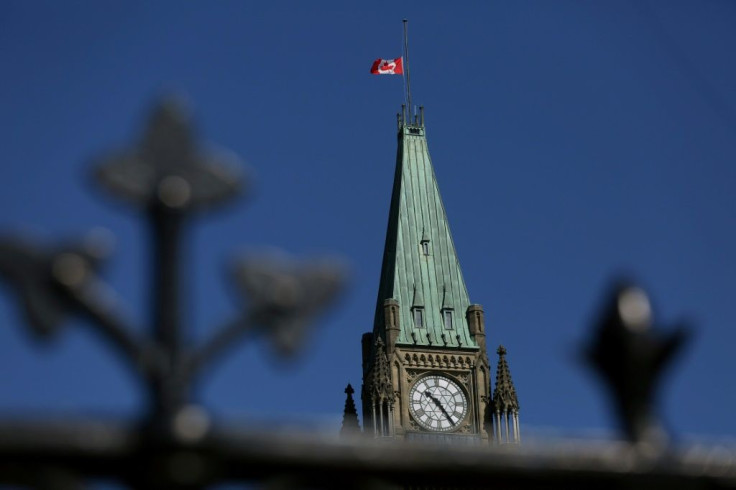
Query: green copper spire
[[420, 268]]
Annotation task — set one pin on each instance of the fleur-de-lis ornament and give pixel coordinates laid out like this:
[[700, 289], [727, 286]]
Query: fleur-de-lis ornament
[[631, 355], [168, 177], [167, 168]]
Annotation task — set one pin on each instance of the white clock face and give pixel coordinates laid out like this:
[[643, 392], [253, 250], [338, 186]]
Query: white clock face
[[437, 403]]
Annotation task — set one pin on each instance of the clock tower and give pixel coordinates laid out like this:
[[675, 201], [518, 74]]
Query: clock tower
[[426, 373]]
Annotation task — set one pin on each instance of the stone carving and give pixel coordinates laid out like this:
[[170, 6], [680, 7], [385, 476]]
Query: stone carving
[[439, 361]]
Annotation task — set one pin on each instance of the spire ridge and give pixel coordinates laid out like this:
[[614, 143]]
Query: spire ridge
[[418, 297], [446, 298]]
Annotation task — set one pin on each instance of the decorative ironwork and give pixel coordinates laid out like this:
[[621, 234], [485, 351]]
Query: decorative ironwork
[[630, 355], [175, 446], [167, 178]]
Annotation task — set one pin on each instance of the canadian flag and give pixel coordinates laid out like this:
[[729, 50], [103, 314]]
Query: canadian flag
[[388, 67]]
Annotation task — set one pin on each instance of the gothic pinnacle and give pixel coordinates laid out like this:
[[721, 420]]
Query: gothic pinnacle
[[350, 424]]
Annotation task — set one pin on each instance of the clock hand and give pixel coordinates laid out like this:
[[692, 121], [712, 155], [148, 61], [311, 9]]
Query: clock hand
[[439, 405]]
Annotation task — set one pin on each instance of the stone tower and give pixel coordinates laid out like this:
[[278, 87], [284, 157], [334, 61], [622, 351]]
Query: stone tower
[[426, 373]]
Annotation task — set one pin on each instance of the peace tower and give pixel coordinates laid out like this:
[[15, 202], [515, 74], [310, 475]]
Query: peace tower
[[426, 373]]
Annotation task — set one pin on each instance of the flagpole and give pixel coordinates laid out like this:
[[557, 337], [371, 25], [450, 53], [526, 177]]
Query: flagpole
[[406, 55]]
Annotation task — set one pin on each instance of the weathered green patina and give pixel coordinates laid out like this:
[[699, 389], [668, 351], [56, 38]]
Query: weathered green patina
[[420, 266]]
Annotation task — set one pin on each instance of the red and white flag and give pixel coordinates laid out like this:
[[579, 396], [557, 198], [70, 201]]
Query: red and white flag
[[388, 67]]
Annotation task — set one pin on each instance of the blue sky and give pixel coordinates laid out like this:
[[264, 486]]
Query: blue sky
[[572, 141]]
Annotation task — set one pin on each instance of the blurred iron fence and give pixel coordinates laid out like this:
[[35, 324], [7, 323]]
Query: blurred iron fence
[[175, 445]]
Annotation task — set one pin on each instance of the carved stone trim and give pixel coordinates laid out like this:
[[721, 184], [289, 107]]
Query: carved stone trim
[[449, 361]]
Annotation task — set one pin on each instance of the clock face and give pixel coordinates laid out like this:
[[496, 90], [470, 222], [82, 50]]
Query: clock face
[[437, 403]]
